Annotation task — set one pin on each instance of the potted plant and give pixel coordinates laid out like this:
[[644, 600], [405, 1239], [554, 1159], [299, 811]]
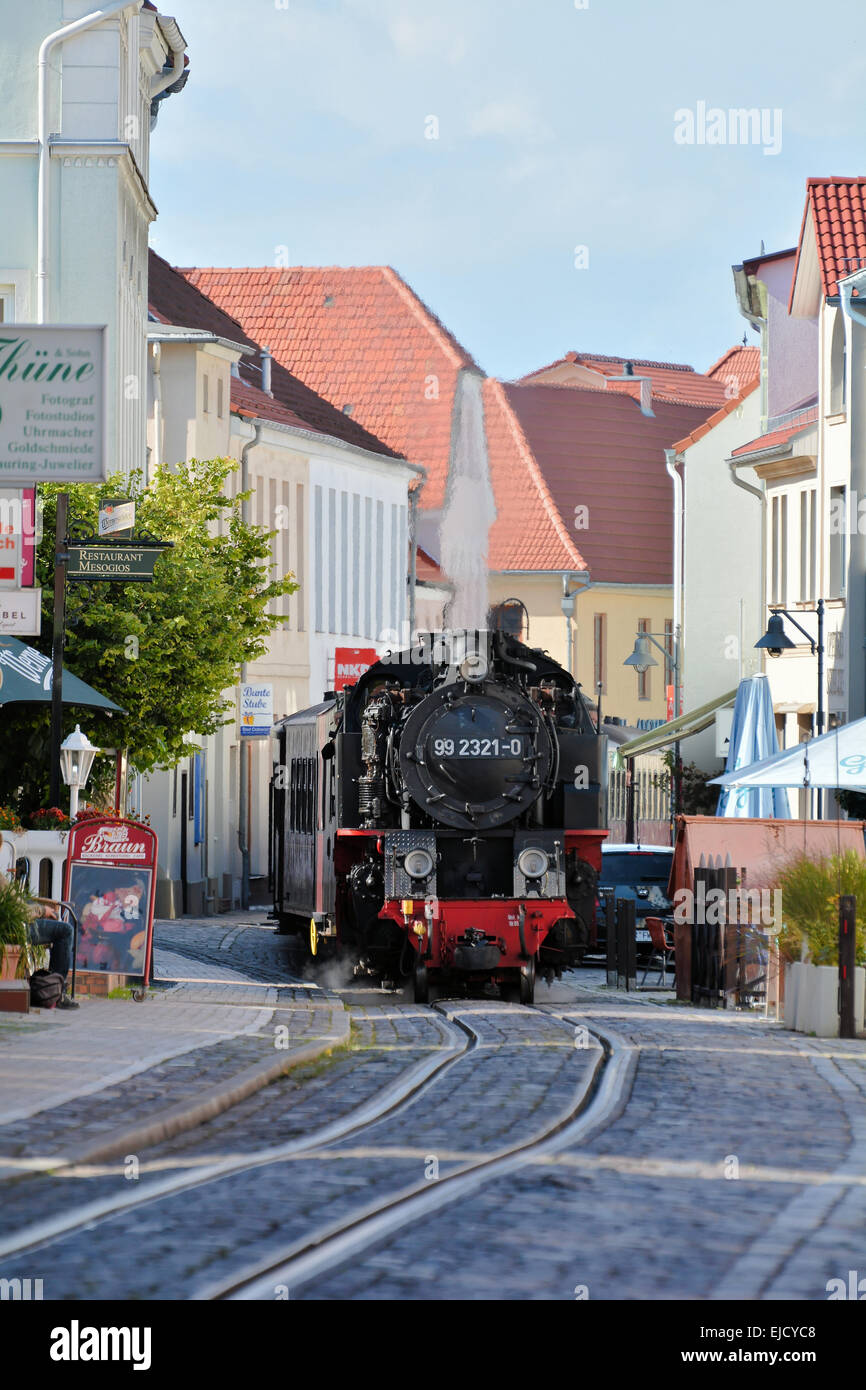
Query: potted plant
[[16, 952], [10, 820], [48, 818]]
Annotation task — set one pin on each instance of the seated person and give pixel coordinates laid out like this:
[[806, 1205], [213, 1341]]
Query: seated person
[[46, 929]]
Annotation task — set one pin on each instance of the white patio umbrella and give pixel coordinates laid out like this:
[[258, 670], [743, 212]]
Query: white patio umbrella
[[836, 759]]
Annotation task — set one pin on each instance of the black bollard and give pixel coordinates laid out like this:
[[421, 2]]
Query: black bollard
[[847, 961]]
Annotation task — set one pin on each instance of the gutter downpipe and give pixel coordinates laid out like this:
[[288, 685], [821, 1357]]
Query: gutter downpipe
[[856, 596], [244, 749], [43, 196], [414, 494], [676, 477], [762, 498], [176, 42], [156, 456]]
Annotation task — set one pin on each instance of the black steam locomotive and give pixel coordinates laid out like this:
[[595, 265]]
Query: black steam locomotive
[[442, 817]]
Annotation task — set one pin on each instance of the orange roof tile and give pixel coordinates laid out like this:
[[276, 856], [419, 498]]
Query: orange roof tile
[[255, 404], [174, 299], [717, 418], [776, 438], [740, 365], [838, 212], [528, 533], [671, 381], [360, 337], [590, 448]]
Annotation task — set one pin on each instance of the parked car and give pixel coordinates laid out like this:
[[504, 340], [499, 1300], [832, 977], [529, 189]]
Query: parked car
[[640, 872]]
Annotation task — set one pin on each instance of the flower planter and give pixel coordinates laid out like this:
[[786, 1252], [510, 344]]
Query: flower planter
[[812, 999], [9, 963]]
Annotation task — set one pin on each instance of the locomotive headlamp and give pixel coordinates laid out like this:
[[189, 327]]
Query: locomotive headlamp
[[418, 863], [474, 667], [533, 863]]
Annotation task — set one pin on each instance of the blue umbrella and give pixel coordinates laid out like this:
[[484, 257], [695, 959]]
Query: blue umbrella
[[753, 738]]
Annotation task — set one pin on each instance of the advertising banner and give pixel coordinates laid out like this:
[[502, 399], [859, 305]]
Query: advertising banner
[[20, 612], [17, 536], [52, 403], [350, 663], [256, 710], [110, 881]]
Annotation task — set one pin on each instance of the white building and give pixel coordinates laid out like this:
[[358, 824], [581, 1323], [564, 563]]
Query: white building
[[77, 103]]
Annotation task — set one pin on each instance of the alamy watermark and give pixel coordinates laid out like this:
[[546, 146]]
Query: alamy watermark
[[712, 125]]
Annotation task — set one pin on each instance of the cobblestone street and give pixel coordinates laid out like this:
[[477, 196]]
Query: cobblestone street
[[598, 1145]]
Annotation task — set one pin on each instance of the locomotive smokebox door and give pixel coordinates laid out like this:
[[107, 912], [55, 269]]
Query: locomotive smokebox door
[[475, 755], [539, 864]]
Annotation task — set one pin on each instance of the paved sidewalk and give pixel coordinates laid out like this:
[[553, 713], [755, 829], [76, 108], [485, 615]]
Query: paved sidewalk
[[115, 1064]]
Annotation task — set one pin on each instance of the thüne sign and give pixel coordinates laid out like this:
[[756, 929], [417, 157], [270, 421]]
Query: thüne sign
[[52, 403]]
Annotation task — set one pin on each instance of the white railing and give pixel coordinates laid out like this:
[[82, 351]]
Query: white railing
[[45, 853]]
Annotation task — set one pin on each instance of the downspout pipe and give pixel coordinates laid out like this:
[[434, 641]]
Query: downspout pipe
[[676, 478], [177, 44], [761, 495], [244, 750], [855, 356], [43, 196], [156, 454]]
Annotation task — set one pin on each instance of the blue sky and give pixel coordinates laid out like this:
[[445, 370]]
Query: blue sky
[[304, 124]]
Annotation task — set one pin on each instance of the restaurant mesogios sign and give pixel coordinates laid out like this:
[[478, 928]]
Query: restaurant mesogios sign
[[122, 563], [52, 403]]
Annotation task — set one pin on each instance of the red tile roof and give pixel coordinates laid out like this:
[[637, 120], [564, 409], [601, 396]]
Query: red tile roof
[[837, 207], [361, 338], [594, 448], [739, 366], [716, 418], [671, 381], [426, 568], [776, 438], [529, 532], [173, 299], [255, 404]]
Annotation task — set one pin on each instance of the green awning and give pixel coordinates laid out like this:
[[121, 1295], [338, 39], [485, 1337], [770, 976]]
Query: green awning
[[682, 727]]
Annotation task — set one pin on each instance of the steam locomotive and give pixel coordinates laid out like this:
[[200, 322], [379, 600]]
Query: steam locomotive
[[442, 818]]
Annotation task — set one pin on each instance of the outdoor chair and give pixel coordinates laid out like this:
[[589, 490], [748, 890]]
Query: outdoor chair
[[662, 948]]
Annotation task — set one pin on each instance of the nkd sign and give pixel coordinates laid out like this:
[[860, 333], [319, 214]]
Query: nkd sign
[[52, 403]]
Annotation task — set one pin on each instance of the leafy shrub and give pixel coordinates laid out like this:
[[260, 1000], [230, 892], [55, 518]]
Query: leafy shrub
[[810, 906], [14, 921]]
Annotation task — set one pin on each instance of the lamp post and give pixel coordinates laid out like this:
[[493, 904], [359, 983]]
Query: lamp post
[[76, 760], [775, 641], [642, 659]]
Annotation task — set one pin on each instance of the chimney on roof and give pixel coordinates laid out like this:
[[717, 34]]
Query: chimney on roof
[[628, 369], [266, 371]]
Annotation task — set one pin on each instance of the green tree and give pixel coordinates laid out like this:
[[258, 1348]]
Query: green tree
[[165, 651]]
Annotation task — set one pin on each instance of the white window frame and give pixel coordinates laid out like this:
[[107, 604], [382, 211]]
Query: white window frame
[[15, 294]]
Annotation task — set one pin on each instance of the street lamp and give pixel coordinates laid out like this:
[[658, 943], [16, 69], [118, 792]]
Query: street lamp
[[775, 641], [642, 659], [76, 760]]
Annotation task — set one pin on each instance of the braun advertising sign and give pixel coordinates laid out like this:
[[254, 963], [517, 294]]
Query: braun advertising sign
[[52, 403]]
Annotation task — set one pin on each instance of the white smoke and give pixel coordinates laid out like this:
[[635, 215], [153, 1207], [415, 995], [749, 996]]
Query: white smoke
[[469, 507]]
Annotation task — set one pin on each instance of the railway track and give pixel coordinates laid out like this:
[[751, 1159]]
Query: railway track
[[329, 1244], [594, 1107]]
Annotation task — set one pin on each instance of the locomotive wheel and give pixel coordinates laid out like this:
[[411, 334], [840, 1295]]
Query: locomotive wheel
[[314, 937], [527, 982], [422, 985]]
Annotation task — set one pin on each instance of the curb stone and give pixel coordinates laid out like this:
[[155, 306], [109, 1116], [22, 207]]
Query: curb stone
[[186, 1115]]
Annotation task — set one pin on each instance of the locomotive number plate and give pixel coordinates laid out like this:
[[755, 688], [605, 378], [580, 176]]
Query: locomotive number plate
[[478, 747]]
